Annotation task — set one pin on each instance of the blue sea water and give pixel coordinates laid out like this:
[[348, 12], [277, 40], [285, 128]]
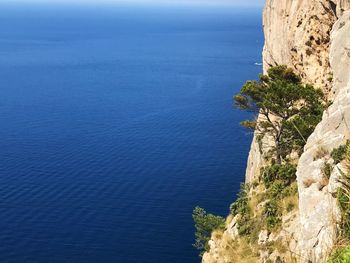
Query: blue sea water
[[115, 123]]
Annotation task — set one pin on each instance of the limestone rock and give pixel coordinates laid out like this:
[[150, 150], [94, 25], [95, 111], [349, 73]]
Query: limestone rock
[[318, 206], [297, 34], [312, 37], [263, 237]]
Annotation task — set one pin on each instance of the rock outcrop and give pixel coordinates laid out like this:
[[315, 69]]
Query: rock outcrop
[[312, 37], [297, 34], [317, 202]]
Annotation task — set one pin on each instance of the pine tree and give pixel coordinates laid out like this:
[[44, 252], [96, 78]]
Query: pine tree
[[290, 109]]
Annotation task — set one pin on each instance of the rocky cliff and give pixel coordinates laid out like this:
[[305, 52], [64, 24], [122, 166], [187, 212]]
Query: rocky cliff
[[312, 37], [298, 34], [318, 205]]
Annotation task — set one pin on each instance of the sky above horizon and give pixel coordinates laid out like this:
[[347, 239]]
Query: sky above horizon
[[161, 2]]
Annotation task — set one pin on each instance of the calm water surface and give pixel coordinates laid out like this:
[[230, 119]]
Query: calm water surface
[[115, 123]]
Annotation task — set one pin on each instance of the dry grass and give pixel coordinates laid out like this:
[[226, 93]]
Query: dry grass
[[308, 182], [290, 203], [276, 245], [254, 202], [245, 249], [241, 250], [217, 234], [320, 153]]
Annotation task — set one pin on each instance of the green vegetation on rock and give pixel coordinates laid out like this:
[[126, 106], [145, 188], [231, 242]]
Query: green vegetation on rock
[[272, 212], [338, 154], [343, 194], [290, 110], [327, 169], [344, 206], [205, 224], [340, 255], [284, 173], [240, 206]]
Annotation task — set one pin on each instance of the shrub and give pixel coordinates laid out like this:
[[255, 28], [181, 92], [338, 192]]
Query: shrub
[[290, 190], [344, 206], [272, 213], [277, 188], [248, 124], [327, 169], [338, 154], [205, 224], [343, 195], [290, 207], [240, 206], [259, 140], [245, 224], [320, 153], [278, 180], [284, 172], [340, 255]]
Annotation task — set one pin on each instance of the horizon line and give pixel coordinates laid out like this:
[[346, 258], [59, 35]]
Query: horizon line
[[203, 3]]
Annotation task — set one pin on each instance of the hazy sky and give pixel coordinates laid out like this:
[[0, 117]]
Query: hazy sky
[[167, 2]]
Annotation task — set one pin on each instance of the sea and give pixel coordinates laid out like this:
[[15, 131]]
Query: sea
[[116, 121]]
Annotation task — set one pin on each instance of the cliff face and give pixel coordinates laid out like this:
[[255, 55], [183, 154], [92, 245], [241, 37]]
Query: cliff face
[[297, 34], [317, 202], [312, 37]]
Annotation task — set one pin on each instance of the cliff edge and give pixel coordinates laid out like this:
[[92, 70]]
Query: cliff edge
[[313, 38]]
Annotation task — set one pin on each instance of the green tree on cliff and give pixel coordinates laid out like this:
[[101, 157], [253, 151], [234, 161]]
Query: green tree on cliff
[[290, 110], [205, 224]]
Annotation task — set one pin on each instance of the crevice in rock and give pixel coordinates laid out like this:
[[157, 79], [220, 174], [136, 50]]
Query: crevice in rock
[[347, 51], [318, 233], [333, 7], [345, 122]]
